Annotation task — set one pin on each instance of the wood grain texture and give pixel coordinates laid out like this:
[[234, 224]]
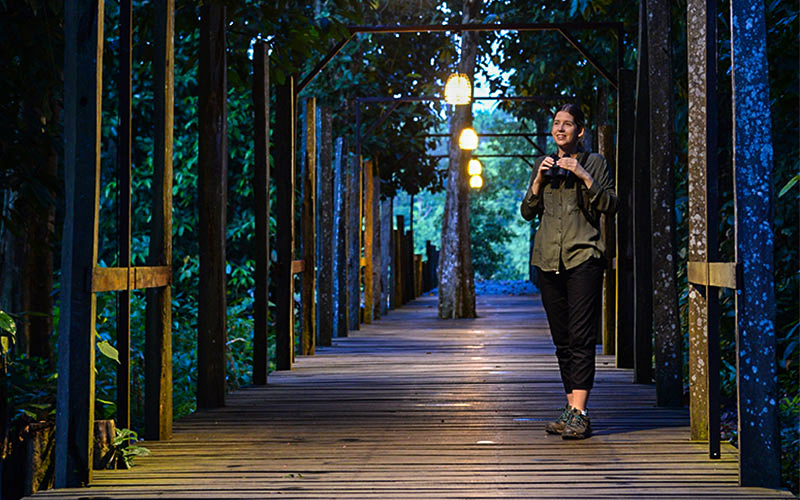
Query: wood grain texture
[[416, 407]]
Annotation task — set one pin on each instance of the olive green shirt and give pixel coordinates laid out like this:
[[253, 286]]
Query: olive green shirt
[[569, 228]]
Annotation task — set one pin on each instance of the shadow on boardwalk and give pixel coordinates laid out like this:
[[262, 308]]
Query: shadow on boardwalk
[[416, 407]]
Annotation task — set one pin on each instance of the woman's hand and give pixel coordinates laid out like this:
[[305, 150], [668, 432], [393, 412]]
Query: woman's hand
[[576, 168], [539, 180]]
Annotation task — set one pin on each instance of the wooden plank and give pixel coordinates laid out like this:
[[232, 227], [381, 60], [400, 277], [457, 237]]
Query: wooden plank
[[605, 141], [625, 232], [110, 279], [83, 86], [212, 184], [261, 207], [354, 219], [668, 339], [642, 255], [284, 156], [369, 244], [158, 323], [124, 134], [759, 439], [340, 240], [308, 317], [466, 404], [326, 239], [151, 277]]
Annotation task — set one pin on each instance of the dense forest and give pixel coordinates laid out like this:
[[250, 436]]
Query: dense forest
[[411, 65]]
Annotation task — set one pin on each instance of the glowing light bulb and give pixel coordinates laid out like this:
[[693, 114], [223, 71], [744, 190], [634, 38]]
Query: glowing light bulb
[[468, 139], [476, 182], [474, 167], [458, 90]]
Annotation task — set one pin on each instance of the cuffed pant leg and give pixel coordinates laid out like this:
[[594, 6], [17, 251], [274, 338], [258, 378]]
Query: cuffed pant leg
[[553, 288], [584, 285]]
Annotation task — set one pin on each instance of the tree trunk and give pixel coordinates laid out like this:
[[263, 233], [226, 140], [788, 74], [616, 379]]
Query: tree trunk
[[456, 277]]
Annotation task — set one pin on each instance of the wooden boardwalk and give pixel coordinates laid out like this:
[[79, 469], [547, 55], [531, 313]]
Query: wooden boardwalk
[[415, 407]]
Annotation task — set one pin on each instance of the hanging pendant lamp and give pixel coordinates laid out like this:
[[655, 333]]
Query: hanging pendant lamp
[[458, 89], [468, 139]]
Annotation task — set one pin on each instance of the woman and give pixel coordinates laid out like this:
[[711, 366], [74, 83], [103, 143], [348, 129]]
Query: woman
[[568, 192]]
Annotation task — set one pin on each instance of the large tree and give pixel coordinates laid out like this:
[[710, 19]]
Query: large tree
[[456, 276]]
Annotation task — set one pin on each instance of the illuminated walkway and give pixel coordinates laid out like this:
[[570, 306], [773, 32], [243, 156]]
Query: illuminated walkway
[[415, 407]]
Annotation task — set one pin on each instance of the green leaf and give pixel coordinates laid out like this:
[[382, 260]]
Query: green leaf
[[785, 189], [108, 350], [7, 323]]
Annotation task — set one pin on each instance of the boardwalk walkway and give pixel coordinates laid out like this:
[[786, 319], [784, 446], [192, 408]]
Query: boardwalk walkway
[[414, 407]]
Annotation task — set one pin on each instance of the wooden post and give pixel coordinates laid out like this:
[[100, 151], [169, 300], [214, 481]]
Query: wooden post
[[759, 438], [158, 335], [83, 77], [326, 220], [377, 257], [354, 242], [642, 260], [284, 156], [261, 206], [340, 240], [212, 183], [417, 275], [387, 249], [124, 218], [399, 261], [625, 237], [701, 45], [605, 141], [369, 233], [308, 217], [666, 320]]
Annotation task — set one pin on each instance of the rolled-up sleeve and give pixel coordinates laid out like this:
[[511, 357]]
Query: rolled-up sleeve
[[532, 205], [602, 195]]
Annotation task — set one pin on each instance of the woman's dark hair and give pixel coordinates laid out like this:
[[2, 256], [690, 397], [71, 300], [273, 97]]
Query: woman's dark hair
[[575, 111]]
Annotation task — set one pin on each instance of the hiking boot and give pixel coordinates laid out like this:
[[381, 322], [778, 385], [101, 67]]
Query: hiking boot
[[578, 426], [557, 426]]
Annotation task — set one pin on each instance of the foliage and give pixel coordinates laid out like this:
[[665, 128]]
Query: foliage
[[8, 332], [32, 392], [124, 450]]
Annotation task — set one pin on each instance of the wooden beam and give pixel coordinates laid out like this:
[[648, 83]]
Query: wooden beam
[[369, 297], [113, 279], [325, 218], [398, 263], [759, 431], [339, 241], [284, 140], [261, 206], [715, 274], [642, 307], [354, 190], [124, 211], [308, 317], [158, 322], [668, 339], [625, 234], [386, 254], [212, 184], [377, 257], [83, 86], [605, 141]]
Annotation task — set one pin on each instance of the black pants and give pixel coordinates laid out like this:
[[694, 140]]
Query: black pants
[[572, 300]]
